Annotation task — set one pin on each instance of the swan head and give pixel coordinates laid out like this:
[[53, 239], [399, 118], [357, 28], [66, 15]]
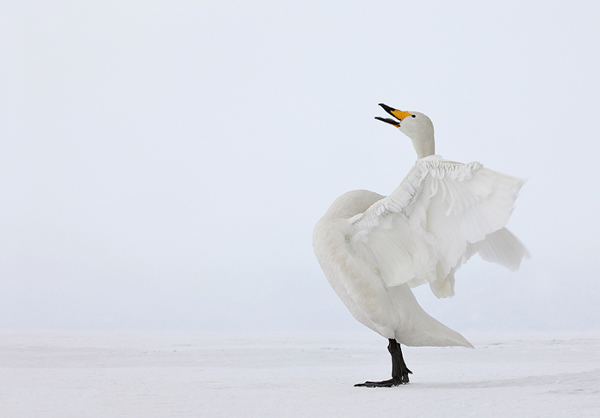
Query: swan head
[[417, 126]]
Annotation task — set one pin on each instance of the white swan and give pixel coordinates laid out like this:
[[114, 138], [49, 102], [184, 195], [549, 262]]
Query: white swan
[[374, 248]]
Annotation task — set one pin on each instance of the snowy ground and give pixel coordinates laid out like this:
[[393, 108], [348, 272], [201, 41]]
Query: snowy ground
[[185, 375]]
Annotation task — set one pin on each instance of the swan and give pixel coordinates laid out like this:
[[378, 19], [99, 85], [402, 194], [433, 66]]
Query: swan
[[373, 248]]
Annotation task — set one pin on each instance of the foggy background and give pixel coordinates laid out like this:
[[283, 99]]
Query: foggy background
[[162, 164]]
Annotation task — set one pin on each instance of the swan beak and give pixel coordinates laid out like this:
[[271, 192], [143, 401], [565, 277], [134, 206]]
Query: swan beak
[[388, 120], [398, 114]]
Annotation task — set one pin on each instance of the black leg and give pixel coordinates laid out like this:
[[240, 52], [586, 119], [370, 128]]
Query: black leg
[[399, 370]]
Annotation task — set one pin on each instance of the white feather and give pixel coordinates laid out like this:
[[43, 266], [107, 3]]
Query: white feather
[[374, 248], [422, 230]]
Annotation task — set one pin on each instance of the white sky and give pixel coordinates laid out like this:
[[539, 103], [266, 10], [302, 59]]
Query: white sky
[[162, 164]]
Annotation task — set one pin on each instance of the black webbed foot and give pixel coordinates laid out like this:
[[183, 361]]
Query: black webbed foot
[[399, 370], [385, 383]]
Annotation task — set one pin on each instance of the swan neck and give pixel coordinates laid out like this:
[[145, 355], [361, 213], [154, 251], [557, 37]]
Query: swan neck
[[424, 146]]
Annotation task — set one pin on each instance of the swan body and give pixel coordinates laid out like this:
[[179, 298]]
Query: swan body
[[373, 248]]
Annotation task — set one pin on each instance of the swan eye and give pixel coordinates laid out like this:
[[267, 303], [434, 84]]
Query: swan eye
[[414, 116]]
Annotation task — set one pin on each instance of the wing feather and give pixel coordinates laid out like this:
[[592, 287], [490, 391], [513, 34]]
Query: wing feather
[[441, 214]]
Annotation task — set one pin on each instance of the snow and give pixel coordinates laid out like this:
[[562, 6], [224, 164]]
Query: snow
[[293, 375]]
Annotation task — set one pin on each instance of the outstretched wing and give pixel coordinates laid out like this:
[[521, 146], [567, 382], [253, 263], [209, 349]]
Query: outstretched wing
[[442, 213]]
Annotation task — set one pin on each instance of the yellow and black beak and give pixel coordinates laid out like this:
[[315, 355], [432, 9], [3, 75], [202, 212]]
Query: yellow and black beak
[[398, 114]]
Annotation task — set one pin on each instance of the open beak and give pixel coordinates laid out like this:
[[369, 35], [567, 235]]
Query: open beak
[[398, 114]]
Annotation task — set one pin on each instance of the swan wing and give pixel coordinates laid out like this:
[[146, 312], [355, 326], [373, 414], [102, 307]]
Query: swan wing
[[441, 214]]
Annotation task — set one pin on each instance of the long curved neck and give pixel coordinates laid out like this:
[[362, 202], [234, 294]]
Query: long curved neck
[[424, 145]]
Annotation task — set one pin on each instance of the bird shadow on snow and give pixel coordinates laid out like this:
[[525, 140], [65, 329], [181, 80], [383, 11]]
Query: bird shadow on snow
[[588, 381]]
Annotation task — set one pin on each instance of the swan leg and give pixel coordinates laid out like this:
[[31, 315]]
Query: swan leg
[[399, 370]]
